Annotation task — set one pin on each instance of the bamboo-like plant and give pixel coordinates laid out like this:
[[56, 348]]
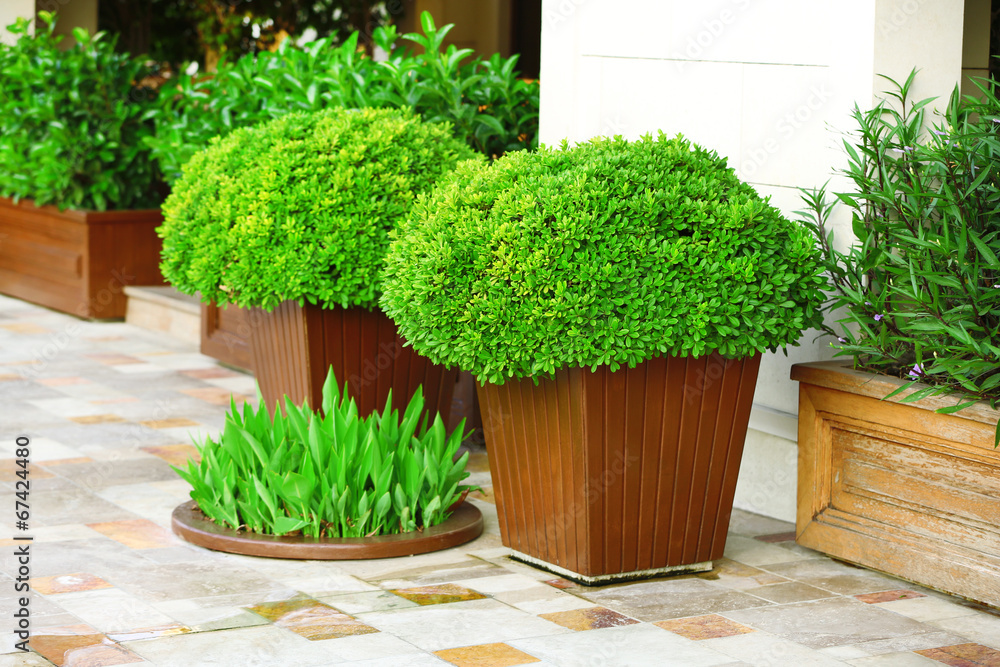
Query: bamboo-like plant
[[329, 473]]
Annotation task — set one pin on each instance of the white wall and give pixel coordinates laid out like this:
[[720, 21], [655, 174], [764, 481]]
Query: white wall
[[767, 83]]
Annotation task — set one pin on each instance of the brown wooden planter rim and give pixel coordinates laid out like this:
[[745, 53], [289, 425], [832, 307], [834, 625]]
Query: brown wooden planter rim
[[842, 376], [87, 216], [464, 525]]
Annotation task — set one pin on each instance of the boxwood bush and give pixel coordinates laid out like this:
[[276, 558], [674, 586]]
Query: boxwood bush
[[71, 122], [300, 208], [609, 252]]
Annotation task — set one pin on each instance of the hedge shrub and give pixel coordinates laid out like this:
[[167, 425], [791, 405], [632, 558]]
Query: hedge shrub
[[71, 122], [300, 208], [484, 101], [608, 252]]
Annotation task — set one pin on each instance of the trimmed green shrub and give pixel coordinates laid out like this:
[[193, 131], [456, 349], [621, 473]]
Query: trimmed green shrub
[[300, 208], [71, 122], [918, 291], [608, 252], [485, 102], [331, 473]]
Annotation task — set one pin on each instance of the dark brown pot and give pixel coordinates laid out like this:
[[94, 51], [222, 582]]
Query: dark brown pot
[[294, 347], [612, 475], [77, 262], [896, 486], [465, 524], [225, 334]]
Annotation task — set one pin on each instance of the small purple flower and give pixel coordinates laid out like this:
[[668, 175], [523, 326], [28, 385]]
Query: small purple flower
[[916, 371], [878, 318], [841, 340], [908, 149], [996, 120], [939, 133]]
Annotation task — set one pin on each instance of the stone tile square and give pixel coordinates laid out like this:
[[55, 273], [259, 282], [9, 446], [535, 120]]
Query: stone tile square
[[9, 469], [172, 422], [209, 373], [761, 648], [980, 628], [366, 601], [750, 551], [237, 647], [788, 592], [149, 633], [331, 583], [112, 610], [217, 582], [746, 523], [888, 596], [835, 577], [215, 395], [462, 623], [927, 608], [639, 645], [502, 582], [440, 594], [591, 618], [964, 655], [67, 583], [112, 358], [833, 622], [176, 455], [711, 626], [96, 419], [675, 598], [70, 650], [901, 659], [62, 381], [486, 655], [787, 536], [541, 599], [73, 505], [136, 533], [740, 577], [101, 474], [25, 328], [560, 583], [917, 642], [311, 619]]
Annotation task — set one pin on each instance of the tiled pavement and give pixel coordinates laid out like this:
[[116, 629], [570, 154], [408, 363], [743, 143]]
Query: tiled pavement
[[108, 407]]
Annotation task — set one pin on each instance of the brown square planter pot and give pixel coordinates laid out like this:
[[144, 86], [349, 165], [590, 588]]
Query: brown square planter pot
[[897, 487], [225, 334], [293, 348], [603, 475], [77, 262]]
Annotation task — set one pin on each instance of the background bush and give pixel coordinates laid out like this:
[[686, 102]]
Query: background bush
[[301, 207], [608, 252], [71, 122], [487, 105], [919, 289]]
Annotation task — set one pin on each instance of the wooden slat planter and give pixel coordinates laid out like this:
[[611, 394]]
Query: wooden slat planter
[[294, 347], [225, 334], [897, 487], [612, 475], [77, 262]]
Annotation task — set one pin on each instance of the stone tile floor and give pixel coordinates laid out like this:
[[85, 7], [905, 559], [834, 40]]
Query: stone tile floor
[[109, 408]]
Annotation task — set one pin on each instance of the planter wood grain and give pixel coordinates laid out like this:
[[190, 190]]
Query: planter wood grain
[[294, 347], [77, 262], [613, 475], [225, 334], [465, 524], [897, 487]]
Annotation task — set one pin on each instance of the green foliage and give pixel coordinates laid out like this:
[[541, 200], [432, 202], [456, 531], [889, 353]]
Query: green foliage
[[300, 208], [919, 289], [71, 122], [608, 252], [487, 105], [331, 473]]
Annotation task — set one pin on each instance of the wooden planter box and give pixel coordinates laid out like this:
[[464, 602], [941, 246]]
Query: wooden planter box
[[225, 334], [77, 262], [603, 475], [897, 487], [294, 346]]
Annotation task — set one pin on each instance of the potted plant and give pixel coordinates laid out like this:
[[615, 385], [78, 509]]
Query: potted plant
[[292, 217], [612, 299], [898, 463], [329, 484], [485, 103], [78, 190]]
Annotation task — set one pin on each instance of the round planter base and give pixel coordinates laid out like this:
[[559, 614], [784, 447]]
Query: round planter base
[[464, 525], [618, 577]]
